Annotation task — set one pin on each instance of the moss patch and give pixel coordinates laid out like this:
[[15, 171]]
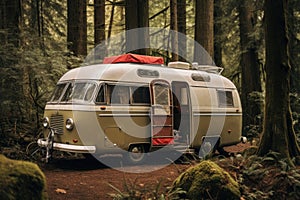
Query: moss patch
[[21, 180], [207, 181]]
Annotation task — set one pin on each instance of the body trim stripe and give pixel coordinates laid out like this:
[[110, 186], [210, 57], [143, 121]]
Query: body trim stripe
[[124, 115]]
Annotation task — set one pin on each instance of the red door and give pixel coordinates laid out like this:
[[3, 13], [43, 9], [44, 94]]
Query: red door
[[161, 114]]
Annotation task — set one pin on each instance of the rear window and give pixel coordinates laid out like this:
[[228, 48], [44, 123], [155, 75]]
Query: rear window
[[225, 98]]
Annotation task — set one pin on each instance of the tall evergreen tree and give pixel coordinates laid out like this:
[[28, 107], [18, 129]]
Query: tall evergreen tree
[[278, 132], [77, 27], [174, 27], [204, 31], [251, 81], [99, 21], [218, 33], [10, 72], [181, 25], [137, 16], [10, 16]]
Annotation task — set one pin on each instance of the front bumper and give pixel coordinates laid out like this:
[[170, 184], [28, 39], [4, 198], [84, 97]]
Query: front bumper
[[67, 147]]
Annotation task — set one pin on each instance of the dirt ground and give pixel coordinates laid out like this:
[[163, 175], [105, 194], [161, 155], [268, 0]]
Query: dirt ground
[[82, 178]]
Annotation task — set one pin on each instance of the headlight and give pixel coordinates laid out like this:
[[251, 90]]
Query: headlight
[[46, 122], [69, 124]]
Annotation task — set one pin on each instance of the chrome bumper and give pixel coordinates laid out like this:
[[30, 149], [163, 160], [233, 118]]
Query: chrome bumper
[[67, 147]]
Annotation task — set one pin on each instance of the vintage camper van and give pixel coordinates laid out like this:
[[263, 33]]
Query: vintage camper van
[[134, 104]]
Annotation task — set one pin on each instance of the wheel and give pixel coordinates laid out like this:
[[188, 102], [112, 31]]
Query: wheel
[[136, 154]]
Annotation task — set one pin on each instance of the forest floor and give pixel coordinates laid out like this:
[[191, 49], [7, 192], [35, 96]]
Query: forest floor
[[81, 178]]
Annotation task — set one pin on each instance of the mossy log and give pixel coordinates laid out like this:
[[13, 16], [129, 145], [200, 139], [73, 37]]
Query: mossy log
[[21, 180], [207, 181]]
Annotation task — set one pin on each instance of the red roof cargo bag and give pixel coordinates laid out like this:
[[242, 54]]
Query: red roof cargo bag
[[134, 58]]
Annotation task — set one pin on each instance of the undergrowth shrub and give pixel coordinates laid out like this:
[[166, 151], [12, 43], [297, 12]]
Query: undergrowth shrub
[[267, 177]]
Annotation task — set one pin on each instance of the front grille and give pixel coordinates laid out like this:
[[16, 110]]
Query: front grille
[[57, 123]]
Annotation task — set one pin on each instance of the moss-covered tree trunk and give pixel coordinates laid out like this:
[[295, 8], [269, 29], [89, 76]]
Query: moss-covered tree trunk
[[278, 134]]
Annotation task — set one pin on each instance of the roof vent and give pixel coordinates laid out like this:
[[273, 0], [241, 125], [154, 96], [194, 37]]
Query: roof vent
[[179, 65]]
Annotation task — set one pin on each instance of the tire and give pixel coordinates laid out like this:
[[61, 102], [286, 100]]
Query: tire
[[136, 154]]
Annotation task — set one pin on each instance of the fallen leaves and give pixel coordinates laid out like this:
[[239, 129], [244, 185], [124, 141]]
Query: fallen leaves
[[60, 191]]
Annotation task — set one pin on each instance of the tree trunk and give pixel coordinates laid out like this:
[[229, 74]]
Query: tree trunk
[[217, 34], [137, 16], [251, 81], [99, 29], [278, 134], [10, 16], [174, 27], [77, 27], [99, 21], [204, 31], [111, 20], [181, 21]]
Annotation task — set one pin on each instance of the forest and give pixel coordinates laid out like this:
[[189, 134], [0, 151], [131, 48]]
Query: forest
[[256, 42]]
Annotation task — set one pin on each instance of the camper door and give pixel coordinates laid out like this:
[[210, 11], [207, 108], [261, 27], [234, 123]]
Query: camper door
[[161, 114]]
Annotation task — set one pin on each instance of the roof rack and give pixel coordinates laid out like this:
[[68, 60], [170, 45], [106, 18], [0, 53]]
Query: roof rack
[[207, 68]]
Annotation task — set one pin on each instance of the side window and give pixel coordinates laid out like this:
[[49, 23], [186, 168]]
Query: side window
[[118, 94], [101, 95], [225, 98], [140, 95], [79, 92]]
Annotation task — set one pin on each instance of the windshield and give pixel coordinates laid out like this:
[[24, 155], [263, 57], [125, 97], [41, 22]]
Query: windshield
[[58, 92], [75, 92]]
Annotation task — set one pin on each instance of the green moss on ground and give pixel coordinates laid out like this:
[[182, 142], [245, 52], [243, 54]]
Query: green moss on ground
[[207, 181], [21, 180]]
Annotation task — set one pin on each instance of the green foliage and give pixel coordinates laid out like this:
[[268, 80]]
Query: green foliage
[[253, 130], [27, 84], [134, 190], [267, 177], [229, 37], [21, 180], [295, 106], [30, 70], [257, 98]]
